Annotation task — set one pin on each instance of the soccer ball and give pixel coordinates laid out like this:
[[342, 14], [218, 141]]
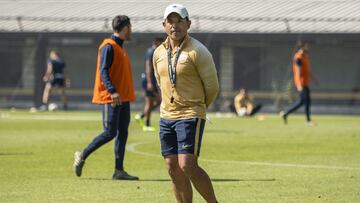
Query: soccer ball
[[53, 107]]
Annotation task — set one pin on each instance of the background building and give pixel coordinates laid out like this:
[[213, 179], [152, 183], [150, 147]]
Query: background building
[[252, 43]]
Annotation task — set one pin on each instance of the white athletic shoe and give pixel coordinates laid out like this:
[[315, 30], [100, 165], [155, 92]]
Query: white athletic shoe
[[139, 120], [148, 128], [311, 123]]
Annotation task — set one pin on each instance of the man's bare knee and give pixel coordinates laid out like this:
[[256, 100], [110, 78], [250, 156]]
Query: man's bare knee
[[189, 166], [172, 166]]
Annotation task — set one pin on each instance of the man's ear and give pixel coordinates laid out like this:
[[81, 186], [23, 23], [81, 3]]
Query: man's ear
[[189, 23], [126, 29], [164, 26]]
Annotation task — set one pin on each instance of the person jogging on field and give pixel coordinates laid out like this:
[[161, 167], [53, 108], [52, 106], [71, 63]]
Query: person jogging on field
[[55, 76], [152, 95]]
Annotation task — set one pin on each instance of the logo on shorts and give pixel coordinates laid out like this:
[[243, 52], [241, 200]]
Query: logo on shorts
[[185, 146]]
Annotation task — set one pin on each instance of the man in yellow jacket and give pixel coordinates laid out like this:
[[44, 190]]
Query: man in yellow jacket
[[244, 104], [186, 74]]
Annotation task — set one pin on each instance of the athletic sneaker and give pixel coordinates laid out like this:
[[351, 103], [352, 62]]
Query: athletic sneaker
[[123, 175], [43, 107], [78, 163], [148, 128], [283, 116], [311, 123], [139, 120]]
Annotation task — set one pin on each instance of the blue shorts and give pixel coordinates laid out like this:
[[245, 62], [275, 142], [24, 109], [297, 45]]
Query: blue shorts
[[181, 136]]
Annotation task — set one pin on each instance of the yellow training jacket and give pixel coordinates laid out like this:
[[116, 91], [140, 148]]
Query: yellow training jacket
[[196, 80]]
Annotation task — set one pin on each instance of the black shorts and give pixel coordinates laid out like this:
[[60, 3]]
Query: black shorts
[[59, 82], [148, 93]]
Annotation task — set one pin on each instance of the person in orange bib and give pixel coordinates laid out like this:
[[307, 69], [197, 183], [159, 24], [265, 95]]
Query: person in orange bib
[[113, 90], [302, 77]]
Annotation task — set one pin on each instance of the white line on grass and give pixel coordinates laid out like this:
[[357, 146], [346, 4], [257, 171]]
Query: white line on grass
[[132, 148]]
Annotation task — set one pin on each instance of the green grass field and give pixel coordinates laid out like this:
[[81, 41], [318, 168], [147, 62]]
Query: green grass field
[[248, 160]]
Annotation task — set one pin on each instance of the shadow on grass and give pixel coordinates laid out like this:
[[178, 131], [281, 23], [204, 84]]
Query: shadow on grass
[[242, 180], [168, 180], [223, 131], [17, 154], [143, 180]]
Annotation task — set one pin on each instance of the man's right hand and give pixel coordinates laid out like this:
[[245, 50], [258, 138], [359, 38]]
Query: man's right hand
[[299, 88], [115, 99], [149, 86], [45, 78]]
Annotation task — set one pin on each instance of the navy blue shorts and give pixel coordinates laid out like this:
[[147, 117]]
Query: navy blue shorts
[[181, 136]]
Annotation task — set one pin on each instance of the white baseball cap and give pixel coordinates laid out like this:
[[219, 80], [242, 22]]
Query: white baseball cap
[[176, 8]]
